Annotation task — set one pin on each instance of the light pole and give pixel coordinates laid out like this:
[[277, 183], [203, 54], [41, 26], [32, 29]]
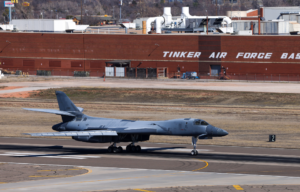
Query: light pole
[[81, 14], [120, 10], [113, 11]]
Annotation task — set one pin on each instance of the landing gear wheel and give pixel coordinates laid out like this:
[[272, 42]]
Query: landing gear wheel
[[192, 153], [110, 149], [115, 150], [138, 148], [128, 148], [133, 148], [120, 149]]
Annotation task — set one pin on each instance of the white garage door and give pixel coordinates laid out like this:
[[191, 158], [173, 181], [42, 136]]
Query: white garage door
[[120, 72], [109, 71]]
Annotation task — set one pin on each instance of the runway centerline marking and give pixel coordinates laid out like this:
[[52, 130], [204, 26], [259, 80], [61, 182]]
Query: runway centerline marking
[[143, 190], [202, 167], [237, 187]]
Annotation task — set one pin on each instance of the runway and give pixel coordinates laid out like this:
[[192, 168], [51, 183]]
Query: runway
[[158, 165]]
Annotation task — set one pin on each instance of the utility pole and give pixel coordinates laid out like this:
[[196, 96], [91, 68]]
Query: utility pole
[[113, 11], [231, 8], [120, 9], [10, 15], [81, 13], [216, 7]]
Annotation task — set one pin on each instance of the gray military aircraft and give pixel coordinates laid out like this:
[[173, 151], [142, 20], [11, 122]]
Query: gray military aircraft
[[104, 130]]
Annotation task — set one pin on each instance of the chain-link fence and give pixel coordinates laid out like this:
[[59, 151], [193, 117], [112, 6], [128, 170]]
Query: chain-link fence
[[152, 73]]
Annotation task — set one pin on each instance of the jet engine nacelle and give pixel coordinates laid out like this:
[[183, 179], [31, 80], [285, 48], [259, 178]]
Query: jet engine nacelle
[[107, 139], [59, 127], [96, 139]]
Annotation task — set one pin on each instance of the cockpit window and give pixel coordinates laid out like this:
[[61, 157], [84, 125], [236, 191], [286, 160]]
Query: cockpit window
[[204, 123], [197, 122]]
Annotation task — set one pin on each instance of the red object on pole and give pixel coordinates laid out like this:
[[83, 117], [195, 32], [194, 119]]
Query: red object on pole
[[104, 78]]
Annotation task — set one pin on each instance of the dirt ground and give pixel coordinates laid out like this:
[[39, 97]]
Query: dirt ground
[[247, 120], [20, 172]]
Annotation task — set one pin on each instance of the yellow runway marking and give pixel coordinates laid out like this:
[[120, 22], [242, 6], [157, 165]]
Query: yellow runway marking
[[89, 171], [2, 182], [237, 187], [202, 167], [142, 190]]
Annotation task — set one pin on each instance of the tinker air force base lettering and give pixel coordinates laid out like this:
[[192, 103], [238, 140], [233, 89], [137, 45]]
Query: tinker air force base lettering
[[222, 55]]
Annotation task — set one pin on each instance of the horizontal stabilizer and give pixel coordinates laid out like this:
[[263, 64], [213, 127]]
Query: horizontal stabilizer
[[53, 111], [74, 133]]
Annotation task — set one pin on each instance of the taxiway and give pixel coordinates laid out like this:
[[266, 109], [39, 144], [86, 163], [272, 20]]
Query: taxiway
[[158, 165]]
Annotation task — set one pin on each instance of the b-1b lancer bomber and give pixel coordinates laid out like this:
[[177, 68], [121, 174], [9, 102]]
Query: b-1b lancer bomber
[[104, 130]]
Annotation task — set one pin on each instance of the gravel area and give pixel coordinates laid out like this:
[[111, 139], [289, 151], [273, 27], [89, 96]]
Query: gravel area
[[21, 172]]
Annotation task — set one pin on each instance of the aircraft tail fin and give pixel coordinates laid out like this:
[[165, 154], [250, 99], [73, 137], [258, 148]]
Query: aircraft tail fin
[[65, 103]]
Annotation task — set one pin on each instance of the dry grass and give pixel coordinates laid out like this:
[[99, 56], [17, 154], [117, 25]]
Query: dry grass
[[186, 97]]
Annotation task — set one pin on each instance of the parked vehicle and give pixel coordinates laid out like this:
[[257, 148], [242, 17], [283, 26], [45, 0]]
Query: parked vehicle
[[190, 75]]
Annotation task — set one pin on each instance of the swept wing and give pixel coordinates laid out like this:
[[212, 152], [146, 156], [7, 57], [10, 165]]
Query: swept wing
[[53, 111], [74, 133]]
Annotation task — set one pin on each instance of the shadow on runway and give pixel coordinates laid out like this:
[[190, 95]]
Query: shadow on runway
[[149, 152]]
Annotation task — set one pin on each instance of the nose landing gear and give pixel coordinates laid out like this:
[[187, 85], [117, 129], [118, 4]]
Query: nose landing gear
[[194, 152]]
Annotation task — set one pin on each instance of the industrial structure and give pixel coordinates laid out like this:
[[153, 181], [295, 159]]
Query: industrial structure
[[161, 55]]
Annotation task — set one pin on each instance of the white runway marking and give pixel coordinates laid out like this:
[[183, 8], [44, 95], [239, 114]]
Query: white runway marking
[[58, 156], [171, 149]]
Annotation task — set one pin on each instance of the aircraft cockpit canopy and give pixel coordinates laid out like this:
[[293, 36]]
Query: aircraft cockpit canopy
[[200, 122]]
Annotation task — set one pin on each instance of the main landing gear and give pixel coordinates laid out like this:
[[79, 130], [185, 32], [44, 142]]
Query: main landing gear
[[114, 149], [132, 148], [194, 152]]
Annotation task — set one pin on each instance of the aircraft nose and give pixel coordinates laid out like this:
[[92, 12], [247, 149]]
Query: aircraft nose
[[215, 132], [223, 132]]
